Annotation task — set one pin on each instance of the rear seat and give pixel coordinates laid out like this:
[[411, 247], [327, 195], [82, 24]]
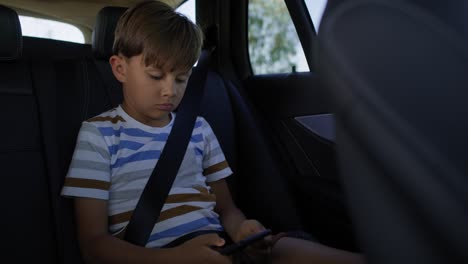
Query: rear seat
[[27, 220], [53, 49], [51, 109]]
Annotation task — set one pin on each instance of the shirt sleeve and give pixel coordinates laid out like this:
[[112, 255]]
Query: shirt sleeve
[[215, 166], [89, 172]]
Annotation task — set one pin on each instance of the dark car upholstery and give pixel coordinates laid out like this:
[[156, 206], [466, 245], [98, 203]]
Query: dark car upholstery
[[27, 218]]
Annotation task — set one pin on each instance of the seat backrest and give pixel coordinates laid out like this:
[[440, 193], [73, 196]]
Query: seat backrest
[[399, 77], [27, 219], [69, 89], [41, 48], [102, 42], [87, 86], [104, 29], [81, 91]]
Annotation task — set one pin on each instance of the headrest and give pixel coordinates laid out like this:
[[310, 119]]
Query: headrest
[[103, 34], [11, 45]]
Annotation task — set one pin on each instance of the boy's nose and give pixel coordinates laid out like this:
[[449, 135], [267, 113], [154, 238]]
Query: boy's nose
[[169, 88]]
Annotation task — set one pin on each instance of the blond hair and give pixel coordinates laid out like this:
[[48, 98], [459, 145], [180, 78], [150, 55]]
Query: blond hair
[[164, 37]]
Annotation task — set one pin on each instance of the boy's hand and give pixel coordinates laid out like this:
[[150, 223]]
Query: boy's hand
[[248, 228], [251, 227], [259, 251], [198, 250]]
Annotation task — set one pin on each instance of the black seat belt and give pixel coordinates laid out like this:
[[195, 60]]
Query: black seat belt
[[160, 182]]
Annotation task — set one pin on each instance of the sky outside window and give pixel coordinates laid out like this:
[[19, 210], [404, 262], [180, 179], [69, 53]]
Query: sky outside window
[[50, 29], [188, 9]]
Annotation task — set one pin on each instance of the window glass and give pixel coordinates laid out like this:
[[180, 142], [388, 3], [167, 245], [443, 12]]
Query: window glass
[[316, 8], [188, 9], [274, 46], [50, 29]]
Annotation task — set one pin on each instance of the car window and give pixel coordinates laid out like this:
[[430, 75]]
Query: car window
[[316, 8], [188, 9], [50, 29], [274, 45]]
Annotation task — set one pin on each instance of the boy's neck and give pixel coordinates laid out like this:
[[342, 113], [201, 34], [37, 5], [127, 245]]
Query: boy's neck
[[144, 119]]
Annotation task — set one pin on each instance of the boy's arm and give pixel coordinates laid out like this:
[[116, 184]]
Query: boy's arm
[[216, 169], [98, 246], [232, 218]]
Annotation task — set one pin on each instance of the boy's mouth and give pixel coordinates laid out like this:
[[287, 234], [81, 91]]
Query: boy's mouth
[[165, 107]]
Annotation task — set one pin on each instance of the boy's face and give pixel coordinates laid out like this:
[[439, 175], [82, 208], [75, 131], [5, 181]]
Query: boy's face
[[150, 93]]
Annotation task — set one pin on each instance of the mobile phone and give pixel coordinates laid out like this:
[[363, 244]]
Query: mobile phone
[[240, 245]]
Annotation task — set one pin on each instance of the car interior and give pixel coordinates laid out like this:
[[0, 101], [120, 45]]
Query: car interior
[[364, 150]]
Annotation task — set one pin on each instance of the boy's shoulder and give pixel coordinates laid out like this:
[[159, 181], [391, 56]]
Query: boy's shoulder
[[201, 123], [110, 117], [203, 127], [200, 120]]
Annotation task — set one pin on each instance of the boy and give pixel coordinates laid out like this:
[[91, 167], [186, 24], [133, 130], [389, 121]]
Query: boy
[[154, 51]]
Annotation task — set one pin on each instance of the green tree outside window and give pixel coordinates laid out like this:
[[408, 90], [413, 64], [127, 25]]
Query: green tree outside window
[[273, 42]]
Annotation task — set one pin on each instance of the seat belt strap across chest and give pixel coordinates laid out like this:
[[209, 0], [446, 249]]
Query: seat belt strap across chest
[[160, 182]]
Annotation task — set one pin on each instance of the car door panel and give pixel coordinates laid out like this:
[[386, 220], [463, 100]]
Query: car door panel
[[298, 115]]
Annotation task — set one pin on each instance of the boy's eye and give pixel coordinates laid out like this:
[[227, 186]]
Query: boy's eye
[[156, 77], [181, 80]]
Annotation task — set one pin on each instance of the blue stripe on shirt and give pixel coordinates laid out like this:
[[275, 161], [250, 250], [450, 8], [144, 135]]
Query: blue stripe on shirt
[[198, 124], [125, 144], [198, 151], [109, 131], [196, 138], [143, 155], [186, 228], [134, 132]]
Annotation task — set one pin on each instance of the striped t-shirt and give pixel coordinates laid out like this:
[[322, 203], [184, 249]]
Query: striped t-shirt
[[114, 157]]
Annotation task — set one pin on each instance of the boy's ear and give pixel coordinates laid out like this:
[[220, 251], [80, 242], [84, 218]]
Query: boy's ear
[[119, 68]]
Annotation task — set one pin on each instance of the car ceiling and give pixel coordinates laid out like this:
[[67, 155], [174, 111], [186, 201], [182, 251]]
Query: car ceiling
[[79, 13]]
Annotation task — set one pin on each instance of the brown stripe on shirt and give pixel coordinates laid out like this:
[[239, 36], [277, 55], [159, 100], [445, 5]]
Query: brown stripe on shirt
[[215, 168], [87, 183], [176, 211], [113, 120], [202, 189], [120, 218], [191, 197]]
